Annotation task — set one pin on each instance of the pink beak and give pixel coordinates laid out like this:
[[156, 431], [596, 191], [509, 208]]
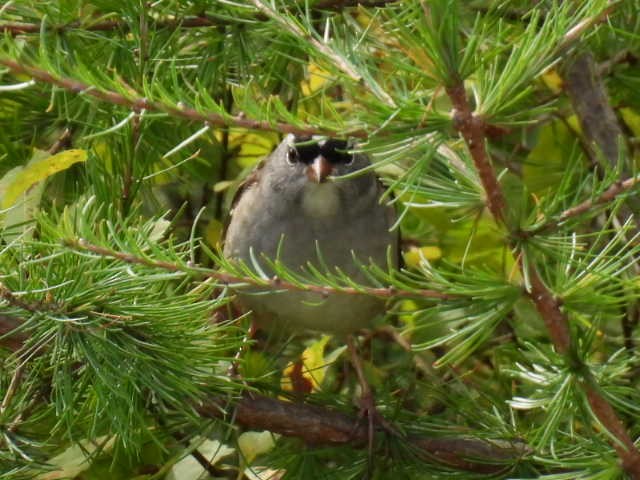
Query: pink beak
[[319, 170]]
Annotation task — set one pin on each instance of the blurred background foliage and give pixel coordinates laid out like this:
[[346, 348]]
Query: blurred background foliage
[[129, 126]]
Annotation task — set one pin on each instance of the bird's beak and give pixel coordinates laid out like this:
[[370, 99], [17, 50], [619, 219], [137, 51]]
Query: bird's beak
[[319, 170]]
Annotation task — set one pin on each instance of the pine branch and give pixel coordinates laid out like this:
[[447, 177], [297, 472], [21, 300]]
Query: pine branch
[[141, 103], [14, 29], [317, 425], [13, 300], [321, 426], [618, 188], [274, 283], [472, 130], [293, 28]]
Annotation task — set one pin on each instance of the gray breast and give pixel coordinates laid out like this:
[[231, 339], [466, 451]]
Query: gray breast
[[298, 237]]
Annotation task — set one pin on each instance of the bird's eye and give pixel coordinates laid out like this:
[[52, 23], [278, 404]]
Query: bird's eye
[[292, 156], [349, 159]]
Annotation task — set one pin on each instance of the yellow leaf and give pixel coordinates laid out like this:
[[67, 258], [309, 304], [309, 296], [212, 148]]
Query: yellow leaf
[[317, 78], [406, 315], [632, 119], [39, 169], [414, 255], [314, 366], [552, 80], [213, 232], [250, 146]]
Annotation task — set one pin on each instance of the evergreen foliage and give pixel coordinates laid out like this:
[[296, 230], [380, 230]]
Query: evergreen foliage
[[507, 133]]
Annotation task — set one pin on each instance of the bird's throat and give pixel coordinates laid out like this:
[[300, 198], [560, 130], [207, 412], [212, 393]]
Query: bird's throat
[[321, 200]]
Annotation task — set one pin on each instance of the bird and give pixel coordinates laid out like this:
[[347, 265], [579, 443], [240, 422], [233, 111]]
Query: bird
[[295, 208]]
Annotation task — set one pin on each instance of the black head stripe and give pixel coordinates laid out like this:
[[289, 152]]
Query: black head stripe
[[336, 151]]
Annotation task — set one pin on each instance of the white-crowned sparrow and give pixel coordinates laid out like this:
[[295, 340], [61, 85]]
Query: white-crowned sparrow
[[292, 207]]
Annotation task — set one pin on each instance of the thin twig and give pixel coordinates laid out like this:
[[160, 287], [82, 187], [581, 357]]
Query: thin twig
[[397, 337], [9, 297], [618, 188], [274, 283], [64, 141], [141, 103], [576, 32], [13, 386]]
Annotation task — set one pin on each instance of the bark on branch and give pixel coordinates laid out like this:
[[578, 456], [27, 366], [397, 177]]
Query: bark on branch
[[472, 129], [590, 101], [320, 426]]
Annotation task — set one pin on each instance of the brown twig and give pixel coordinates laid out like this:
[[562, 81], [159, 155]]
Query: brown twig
[[549, 309], [141, 103], [618, 188], [64, 141], [274, 283], [576, 32], [11, 390], [107, 25], [321, 426], [14, 29], [9, 297], [472, 129]]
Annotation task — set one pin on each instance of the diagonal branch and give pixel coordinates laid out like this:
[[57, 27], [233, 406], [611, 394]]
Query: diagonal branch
[[473, 131], [14, 29], [141, 103]]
